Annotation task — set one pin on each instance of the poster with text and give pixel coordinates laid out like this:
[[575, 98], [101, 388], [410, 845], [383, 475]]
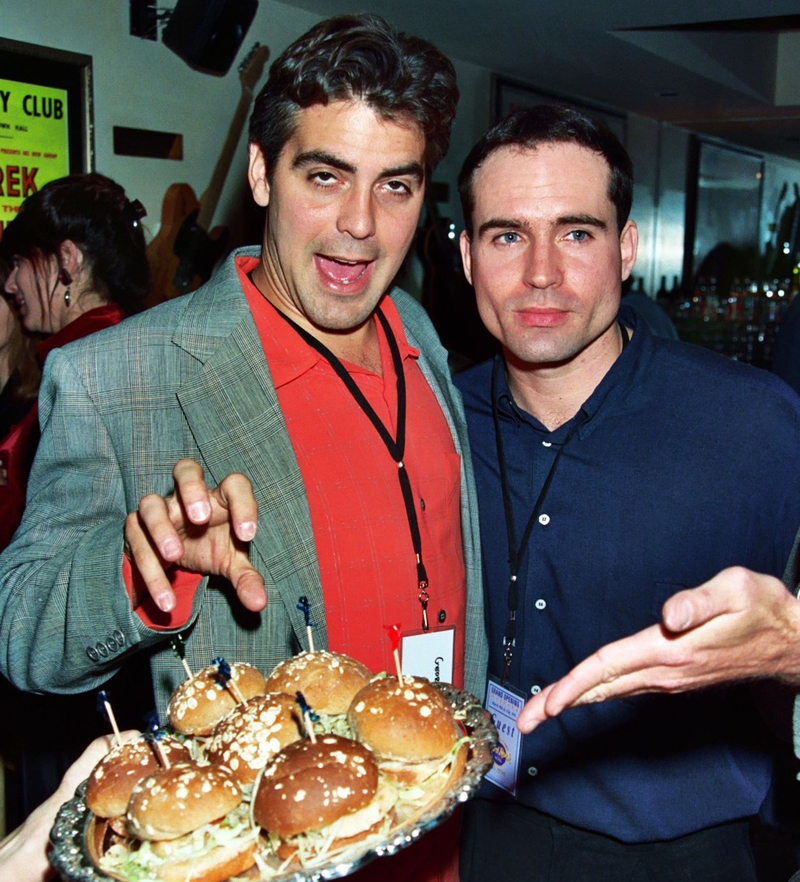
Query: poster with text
[[34, 145]]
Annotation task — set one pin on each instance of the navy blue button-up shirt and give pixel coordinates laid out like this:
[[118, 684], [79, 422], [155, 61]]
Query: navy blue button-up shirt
[[683, 463]]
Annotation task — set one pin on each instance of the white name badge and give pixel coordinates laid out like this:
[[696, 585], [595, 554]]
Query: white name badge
[[504, 704], [429, 654]]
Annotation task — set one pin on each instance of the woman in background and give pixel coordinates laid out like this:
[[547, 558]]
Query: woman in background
[[76, 258], [76, 263]]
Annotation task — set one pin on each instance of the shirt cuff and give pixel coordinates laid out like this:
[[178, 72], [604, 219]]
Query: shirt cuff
[[184, 584]]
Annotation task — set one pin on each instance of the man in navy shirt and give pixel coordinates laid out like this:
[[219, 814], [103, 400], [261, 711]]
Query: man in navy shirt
[[614, 469]]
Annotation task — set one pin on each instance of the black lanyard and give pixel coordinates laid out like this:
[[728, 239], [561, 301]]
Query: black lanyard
[[516, 551], [395, 446]]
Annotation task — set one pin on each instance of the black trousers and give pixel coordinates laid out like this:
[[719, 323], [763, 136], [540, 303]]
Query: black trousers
[[501, 842]]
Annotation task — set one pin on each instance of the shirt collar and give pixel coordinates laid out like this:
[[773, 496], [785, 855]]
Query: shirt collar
[[289, 356]]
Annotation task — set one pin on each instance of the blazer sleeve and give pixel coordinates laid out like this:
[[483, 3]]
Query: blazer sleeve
[[65, 619]]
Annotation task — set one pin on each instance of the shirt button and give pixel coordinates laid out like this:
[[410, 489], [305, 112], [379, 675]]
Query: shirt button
[[547, 443], [442, 616], [544, 519], [533, 771], [540, 604], [92, 653], [422, 504], [535, 690]]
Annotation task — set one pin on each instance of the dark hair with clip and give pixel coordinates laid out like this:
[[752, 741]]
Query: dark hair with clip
[[552, 124], [92, 211], [358, 57]]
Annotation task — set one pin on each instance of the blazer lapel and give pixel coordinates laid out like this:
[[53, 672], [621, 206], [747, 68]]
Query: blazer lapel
[[233, 413]]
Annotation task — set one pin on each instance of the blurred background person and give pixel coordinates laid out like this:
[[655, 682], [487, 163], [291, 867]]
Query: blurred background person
[[75, 257], [75, 264]]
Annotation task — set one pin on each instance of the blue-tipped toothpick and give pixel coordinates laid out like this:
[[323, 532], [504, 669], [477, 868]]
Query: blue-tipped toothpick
[[305, 607], [104, 706], [225, 678], [154, 734], [308, 716], [179, 648]]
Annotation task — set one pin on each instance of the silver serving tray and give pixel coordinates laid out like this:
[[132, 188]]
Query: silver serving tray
[[70, 855]]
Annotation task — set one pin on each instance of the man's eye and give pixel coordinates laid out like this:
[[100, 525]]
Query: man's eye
[[398, 187], [323, 177], [579, 235], [508, 238]]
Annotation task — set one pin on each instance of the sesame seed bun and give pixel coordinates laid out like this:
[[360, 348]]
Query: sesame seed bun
[[173, 802], [110, 783], [252, 734], [412, 722], [308, 786], [328, 680], [199, 703]]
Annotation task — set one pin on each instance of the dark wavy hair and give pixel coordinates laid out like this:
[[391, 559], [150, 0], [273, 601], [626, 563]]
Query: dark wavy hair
[[552, 124], [358, 57], [94, 212]]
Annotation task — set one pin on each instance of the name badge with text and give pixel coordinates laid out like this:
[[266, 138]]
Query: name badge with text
[[429, 654], [504, 704]]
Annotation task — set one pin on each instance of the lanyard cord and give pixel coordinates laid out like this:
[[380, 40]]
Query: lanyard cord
[[395, 446], [516, 552]]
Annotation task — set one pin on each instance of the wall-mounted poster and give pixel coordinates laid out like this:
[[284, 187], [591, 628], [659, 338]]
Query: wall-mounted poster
[[45, 113]]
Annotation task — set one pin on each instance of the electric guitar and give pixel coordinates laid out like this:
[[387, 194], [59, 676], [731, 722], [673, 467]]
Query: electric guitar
[[183, 254]]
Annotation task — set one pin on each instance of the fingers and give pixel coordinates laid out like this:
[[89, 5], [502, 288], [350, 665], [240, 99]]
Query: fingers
[[143, 554], [235, 493], [535, 711], [191, 492]]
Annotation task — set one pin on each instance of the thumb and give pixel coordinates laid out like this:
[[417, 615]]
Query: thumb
[[688, 609], [249, 586]]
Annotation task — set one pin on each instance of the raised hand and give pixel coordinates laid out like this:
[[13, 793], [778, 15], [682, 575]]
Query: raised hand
[[197, 529], [737, 626]]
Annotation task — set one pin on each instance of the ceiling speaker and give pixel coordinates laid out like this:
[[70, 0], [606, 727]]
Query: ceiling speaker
[[207, 34]]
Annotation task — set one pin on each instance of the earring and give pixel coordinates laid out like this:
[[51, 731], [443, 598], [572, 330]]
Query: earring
[[66, 297]]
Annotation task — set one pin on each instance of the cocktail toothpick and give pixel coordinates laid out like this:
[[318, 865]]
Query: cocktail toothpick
[[308, 716], [179, 648], [104, 707], [153, 735], [305, 607], [225, 678], [394, 636]]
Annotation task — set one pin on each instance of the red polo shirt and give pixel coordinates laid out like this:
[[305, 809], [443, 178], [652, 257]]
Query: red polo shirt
[[363, 542]]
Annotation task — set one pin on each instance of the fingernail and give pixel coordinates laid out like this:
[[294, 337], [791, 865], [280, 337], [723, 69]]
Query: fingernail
[[683, 617], [199, 511], [247, 530], [170, 549], [165, 602]]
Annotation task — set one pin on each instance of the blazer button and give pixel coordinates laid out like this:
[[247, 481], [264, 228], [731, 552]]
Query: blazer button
[[92, 653], [111, 643], [119, 637], [102, 649]]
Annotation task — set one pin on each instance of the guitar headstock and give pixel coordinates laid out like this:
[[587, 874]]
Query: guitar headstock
[[252, 67]]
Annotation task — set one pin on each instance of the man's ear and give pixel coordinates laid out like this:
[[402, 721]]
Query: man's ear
[[465, 243], [628, 246], [257, 175]]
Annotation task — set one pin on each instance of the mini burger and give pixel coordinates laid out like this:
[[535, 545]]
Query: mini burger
[[328, 682], [187, 823], [253, 733], [200, 702], [315, 799], [419, 745], [112, 780]]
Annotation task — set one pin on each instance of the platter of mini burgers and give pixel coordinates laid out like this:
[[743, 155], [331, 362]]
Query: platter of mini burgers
[[306, 774]]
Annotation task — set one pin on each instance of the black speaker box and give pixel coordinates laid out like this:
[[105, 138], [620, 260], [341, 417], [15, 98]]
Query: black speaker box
[[207, 34]]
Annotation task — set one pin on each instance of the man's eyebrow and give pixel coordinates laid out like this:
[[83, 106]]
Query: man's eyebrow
[[582, 220], [311, 157], [497, 223]]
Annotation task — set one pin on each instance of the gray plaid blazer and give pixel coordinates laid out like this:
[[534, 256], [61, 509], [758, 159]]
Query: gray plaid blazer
[[118, 409]]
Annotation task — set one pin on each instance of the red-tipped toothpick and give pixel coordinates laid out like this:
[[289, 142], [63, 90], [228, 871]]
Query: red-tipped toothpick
[[394, 636], [103, 705]]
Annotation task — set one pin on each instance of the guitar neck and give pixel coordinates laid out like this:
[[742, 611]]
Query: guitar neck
[[209, 199]]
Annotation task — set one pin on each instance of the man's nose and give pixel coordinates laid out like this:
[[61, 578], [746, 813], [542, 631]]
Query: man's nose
[[357, 215]]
